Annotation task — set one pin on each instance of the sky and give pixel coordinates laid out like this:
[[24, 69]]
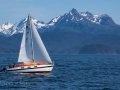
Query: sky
[[44, 10]]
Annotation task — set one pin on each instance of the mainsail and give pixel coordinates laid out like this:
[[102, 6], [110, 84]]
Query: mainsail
[[23, 54], [32, 47]]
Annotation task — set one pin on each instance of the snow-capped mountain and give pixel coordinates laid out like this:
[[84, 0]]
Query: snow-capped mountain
[[73, 16], [9, 29], [103, 19]]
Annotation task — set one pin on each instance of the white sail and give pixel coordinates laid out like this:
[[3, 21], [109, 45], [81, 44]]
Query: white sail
[[25, 54], [40, 53], [32, 47], [22, 54]]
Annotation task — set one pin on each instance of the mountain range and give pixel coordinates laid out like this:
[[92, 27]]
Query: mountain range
[[76, 21], [71, 33]]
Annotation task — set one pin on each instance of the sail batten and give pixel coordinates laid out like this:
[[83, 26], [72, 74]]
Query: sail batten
[[32, 47]]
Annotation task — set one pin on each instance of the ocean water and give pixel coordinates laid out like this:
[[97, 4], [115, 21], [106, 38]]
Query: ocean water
[[71, 72]]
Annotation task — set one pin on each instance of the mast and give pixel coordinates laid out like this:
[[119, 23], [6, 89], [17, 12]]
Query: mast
[[31, 39]]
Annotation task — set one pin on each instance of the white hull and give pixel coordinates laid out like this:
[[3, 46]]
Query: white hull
[[31, 69]]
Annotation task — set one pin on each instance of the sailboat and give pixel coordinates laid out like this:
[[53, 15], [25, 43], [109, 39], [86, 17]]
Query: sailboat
[[33, 56]]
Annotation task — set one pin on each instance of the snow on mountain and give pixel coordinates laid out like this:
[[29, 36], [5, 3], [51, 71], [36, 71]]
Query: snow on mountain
[[103, 19], [54, 20], [19, 27], [73, 16], [9, 29], [93, 18], [4, 27]]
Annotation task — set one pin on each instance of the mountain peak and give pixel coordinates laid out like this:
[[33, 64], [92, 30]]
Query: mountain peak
[[73, 10]]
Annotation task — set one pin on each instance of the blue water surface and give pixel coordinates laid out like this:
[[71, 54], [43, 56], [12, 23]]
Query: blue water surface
[[71, 72]]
